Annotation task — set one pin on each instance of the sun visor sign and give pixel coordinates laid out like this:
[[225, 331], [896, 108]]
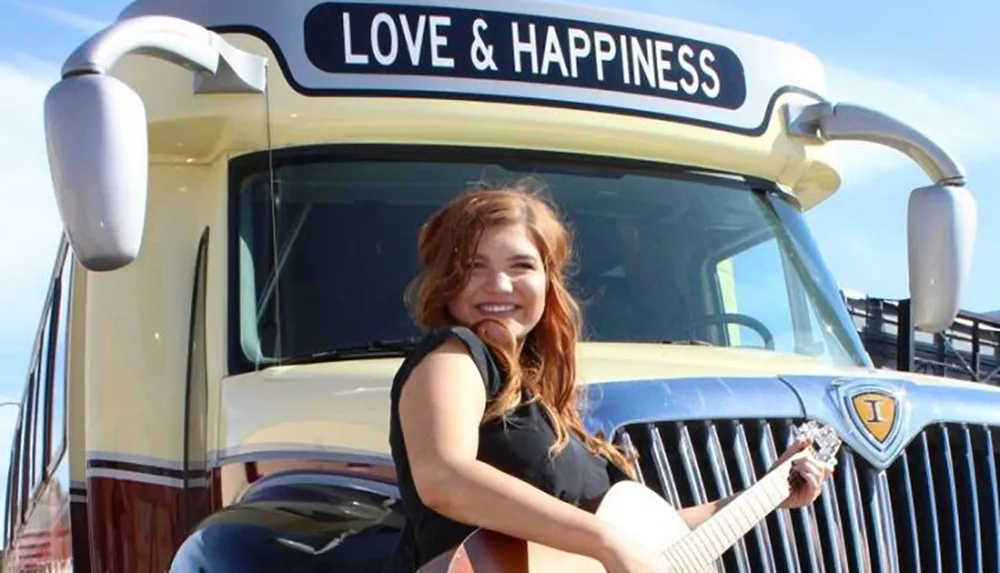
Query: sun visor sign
[[448, 50]]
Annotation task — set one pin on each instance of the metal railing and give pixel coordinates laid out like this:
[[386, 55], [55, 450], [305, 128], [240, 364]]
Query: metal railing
[[969, 349]]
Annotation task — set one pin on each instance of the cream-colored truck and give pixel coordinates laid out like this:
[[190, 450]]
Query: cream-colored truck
[[241, 184]]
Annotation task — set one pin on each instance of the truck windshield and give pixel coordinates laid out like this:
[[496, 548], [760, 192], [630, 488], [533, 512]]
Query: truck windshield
[[662, 255]]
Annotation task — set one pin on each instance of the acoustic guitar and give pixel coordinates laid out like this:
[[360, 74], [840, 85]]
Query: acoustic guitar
[[643, 515]]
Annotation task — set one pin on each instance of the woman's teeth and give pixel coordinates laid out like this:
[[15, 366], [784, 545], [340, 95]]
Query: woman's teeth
[[497, 307]]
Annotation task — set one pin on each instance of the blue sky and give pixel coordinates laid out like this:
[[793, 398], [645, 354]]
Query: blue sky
[[932, 64]]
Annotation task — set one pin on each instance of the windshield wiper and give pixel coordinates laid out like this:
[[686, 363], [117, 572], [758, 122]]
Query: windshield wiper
[[370, 349], [688, 342]]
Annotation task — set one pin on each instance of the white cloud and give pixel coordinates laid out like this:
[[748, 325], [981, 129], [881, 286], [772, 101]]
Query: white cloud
[[74, 20], [30, 233]]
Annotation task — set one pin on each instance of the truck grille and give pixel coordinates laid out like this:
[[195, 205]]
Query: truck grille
[[936, 509]]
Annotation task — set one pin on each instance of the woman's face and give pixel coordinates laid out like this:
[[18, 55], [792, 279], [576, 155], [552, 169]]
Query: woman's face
[[507, 282]]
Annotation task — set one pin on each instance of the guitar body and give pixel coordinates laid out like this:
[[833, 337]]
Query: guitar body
[[629, 507]]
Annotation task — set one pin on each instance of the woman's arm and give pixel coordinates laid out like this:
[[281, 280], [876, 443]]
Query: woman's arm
[[696, 515], [440, 408]]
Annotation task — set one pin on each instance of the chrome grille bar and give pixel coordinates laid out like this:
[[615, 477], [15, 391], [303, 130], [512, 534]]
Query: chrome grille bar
[[885, 534], [769, 454], [972, 487], [666, 475], [744, 461], [931, 499], [909, 503], [625, 442], [690, 462], [956, 531], [809, 527], [856, 516], [811, 539], [717, 461], [692, 470], [834, 528]]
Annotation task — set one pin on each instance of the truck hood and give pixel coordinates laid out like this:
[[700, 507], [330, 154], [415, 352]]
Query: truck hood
[[345, 405]]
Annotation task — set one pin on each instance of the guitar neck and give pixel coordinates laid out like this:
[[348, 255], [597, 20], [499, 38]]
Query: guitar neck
[[703, 546]]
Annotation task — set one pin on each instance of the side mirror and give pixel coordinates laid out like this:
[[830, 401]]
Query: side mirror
[[941, 232], [95, 126]]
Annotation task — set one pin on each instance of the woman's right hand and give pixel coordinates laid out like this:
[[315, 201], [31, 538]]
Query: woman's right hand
[[626, 556]]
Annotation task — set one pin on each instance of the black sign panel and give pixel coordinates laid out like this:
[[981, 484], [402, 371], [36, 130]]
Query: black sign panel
[[406, 40]]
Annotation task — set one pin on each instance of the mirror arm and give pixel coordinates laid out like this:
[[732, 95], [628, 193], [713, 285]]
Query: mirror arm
[[941, 217], [219, 66], [847, 122]]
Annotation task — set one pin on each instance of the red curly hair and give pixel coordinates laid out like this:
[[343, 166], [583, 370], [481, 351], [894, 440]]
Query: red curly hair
[[544, 363]]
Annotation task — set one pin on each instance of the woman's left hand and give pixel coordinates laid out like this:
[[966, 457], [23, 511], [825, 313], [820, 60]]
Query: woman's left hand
[[807, 475]]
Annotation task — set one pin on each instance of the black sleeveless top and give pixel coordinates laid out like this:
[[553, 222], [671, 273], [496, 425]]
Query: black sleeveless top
[[517, 446]]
